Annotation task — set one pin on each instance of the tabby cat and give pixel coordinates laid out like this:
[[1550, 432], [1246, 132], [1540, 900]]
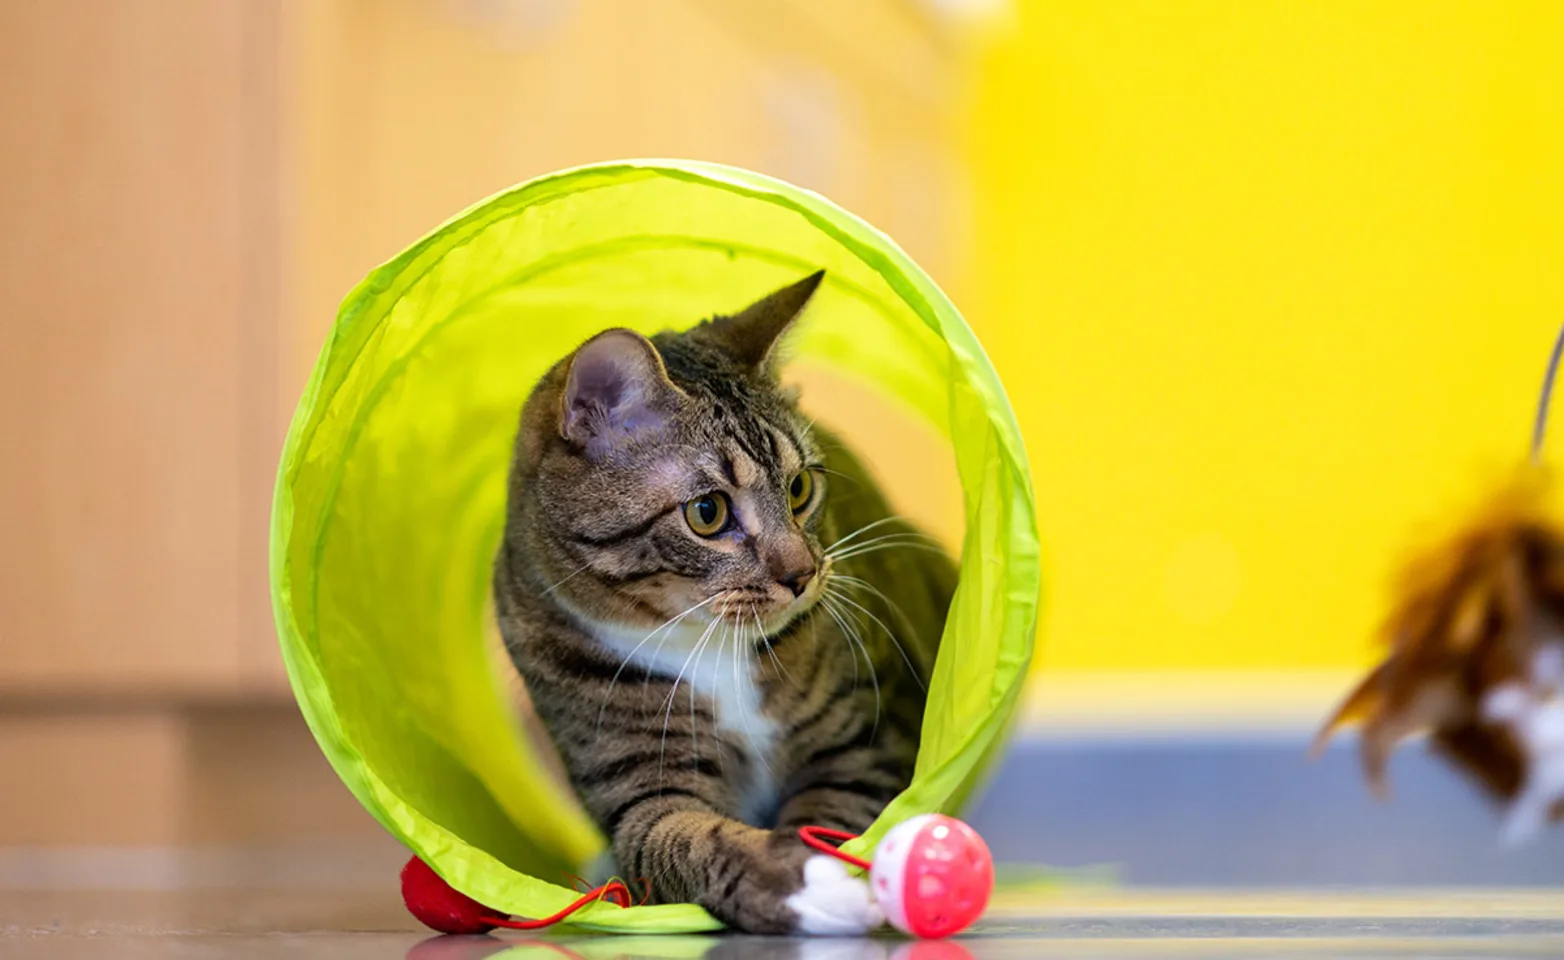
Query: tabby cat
[[724, 630]]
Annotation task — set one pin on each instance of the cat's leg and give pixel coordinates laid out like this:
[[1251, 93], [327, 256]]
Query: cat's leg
[[842, 802], [755, 880], [845, 783], [846, 792]]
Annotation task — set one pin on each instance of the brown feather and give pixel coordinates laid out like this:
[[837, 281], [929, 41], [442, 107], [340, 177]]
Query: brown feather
[[1469, 615]]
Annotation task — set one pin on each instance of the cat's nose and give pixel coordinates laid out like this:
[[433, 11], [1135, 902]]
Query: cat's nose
[[791, 564], [798, 580]]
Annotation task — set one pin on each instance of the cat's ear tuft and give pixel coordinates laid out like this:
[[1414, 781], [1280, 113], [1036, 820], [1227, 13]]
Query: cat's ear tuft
[[751, 335], [617, 389]]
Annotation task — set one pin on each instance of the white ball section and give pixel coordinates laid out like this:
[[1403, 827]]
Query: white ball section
[[888, 873]]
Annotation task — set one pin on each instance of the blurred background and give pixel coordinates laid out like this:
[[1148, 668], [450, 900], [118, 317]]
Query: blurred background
[[1271, 287]]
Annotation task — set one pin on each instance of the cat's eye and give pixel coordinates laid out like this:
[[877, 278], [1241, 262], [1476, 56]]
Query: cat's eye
[[707, 515], [801, 491]]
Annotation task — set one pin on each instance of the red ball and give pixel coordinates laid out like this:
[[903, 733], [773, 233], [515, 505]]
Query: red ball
[[932, 875], [439, 906]]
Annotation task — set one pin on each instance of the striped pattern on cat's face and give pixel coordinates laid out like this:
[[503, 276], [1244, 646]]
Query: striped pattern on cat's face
[[686, 491]]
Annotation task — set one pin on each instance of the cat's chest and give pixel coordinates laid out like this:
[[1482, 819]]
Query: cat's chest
[[724, 675]]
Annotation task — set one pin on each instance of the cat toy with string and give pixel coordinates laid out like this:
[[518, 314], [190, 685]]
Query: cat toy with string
[[1476, 656], [931, 877]]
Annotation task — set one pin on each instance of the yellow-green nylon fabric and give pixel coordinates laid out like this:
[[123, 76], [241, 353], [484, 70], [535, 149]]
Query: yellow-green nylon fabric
[[390, 497]]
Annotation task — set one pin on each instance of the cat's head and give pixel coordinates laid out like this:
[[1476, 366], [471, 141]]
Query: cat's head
[[674, 476]]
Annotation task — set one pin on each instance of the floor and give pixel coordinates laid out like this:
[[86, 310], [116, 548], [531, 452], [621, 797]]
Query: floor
[[1023, 923], [1319, 871], [1244, 811]]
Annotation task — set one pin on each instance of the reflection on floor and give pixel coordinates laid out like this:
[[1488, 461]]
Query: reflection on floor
[[369, 923]]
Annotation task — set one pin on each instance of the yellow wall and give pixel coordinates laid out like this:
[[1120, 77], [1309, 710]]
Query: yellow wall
[[1271, 286]]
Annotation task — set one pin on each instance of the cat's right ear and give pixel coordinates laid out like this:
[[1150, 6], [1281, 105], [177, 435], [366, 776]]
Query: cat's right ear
[[617, 389]]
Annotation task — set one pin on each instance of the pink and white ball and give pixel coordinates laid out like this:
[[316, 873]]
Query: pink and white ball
[[932, 876]]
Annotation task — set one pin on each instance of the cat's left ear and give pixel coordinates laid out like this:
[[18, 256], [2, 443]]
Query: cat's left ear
[[751, 335], [615, 391]]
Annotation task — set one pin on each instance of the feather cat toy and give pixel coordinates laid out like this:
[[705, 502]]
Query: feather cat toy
[[1477, 654]]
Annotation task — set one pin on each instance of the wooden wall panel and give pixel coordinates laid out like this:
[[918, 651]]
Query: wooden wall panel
[[270, 383], [120, 133], [91, 778], [190, 187], [148, 776]]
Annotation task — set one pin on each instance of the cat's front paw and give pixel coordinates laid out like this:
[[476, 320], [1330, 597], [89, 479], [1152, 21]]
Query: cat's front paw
[[833, 902]]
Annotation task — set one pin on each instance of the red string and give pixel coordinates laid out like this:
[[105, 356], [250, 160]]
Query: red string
[[816, 837], [617, 893], [614, 892]]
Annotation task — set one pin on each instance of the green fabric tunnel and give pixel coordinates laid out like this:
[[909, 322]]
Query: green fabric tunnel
[[390, 496]]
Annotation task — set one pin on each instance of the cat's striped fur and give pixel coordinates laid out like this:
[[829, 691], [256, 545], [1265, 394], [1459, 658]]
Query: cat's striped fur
[[710, 695]]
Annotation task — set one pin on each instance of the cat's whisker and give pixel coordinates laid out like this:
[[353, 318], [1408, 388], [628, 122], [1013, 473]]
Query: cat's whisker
[[874, 674], [721, 596], [695, 746], [761, 632], [854, 637], [885, 535], [837, 473], [892, 537], [859, 583], [860, 531], [782, 671], [936, 551], [662, 750], [568, 577], [720, 628], [890, 541], [916, 536], [738, 655], [717, 743], [831, 612], [666, 630], [889, 635]]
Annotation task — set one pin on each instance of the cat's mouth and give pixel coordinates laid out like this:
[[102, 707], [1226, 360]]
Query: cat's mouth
[[769, 612]]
